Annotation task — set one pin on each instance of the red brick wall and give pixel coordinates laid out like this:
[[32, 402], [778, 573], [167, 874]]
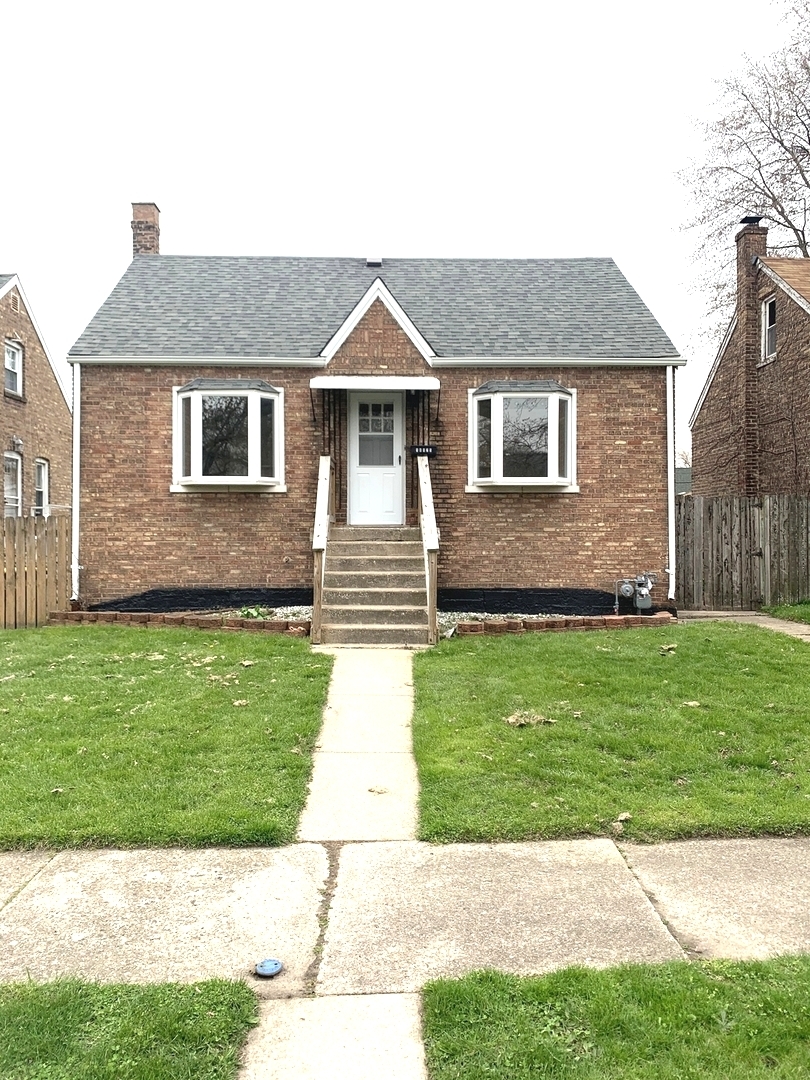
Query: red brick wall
[[136, 535], [40, 417], [776, 425]]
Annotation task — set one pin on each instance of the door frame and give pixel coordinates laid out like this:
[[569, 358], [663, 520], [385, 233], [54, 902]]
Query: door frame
[[352, 447]]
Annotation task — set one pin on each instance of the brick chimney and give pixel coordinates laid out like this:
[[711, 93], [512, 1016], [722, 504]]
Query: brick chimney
[[145, 229], [751, 243]]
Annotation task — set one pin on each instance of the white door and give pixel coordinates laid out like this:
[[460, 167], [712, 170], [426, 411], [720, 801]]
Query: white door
[[376, 460]]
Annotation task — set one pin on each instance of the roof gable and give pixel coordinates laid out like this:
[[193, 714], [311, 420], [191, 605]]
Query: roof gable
[[11, 281], [301, 310]]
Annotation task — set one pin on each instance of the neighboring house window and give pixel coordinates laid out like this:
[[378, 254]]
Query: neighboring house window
[[769, 329], [523, 434], [14, 356], [228, 432], [12, 486], [41, 507]]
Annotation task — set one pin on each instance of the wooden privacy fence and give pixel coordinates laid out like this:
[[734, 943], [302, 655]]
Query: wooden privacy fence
[[36, 570], [740, 553]]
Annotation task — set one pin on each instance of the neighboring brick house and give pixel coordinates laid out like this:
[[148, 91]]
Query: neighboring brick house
[[751, 424], [35, 424], [207, 389]]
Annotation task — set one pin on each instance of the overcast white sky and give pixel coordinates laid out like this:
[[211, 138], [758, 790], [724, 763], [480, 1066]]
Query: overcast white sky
[[509, 129]]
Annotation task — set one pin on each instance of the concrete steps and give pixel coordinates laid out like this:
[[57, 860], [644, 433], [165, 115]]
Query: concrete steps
[[374, 588]]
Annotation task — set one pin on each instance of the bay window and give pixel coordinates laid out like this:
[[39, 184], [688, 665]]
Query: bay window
[[522, 434], [228, 432]]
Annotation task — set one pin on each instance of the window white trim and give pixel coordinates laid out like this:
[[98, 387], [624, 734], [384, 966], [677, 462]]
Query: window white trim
[[769, 328], [554, 483], [13, 367], [42, 483], [9, 509], [193, 479]]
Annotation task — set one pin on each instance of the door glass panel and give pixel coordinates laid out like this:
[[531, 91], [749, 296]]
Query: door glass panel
[[375, 439], [525, 436]]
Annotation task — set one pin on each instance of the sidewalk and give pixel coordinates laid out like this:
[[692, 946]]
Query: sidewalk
[[362, 914]]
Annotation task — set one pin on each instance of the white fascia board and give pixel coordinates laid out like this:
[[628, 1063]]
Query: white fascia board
[[375, 382], [378, 291], [14, 283], [555, 361], [796, 297], [209, 361], [721, 352]]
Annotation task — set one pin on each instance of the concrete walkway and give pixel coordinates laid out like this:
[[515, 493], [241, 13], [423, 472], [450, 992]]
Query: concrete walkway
[[363, 915], [752, 618]]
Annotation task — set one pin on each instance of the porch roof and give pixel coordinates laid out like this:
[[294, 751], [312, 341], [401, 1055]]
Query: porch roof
[[375, 382]]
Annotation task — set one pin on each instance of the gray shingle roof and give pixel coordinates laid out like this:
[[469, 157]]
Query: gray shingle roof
[[4, 279], [175, 305]]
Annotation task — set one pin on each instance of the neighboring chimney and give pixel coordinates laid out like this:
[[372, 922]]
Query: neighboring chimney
[[751, 242], [145, 229]]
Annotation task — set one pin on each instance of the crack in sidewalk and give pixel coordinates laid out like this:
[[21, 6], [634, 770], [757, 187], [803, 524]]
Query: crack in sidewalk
[[332, 848], [683, 942], [13, 895]]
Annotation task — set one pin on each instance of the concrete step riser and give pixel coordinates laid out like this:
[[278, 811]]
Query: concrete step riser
[[373, 635], [390, 563], [377, 616], [351, 533], [379, 580], [376, 597], [374, 548]]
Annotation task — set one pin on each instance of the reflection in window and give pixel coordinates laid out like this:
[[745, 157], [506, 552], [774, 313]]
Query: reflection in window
[[225, 436], [525, 436], [484, 432]]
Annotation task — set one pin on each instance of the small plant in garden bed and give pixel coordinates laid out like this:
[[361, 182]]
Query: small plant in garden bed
[[715, 1020], [696, 730], [69, 1030], [124, 737]]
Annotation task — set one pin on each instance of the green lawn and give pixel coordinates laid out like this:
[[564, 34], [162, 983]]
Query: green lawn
[[794, 612], [118, 736], [68, 1030], [696, 730], [708, 1021]]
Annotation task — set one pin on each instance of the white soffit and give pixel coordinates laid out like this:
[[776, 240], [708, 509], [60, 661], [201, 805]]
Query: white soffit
[[377, 291], [375, 382]]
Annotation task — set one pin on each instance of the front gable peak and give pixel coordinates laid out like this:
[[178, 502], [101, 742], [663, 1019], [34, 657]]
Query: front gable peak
[[378, 291]]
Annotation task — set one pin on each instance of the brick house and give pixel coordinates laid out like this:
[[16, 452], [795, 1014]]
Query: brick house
[[35, 424], [210, 391], [751, 424]]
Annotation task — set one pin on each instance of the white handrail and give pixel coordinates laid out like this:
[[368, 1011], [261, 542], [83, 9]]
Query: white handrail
[[323, 508], [430, 544], [324, 516], [427, 513]]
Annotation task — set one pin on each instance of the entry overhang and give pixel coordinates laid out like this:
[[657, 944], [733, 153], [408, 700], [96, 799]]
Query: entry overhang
[[375, 382]]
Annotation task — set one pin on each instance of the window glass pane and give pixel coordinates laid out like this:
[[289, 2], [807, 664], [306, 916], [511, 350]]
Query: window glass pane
[[40, 487], [12, 366], [11, 486], [562, 450], [224, 436], [267, 437], [363, 419], [484, 437], [186, 435], [376, 450], [525, 436]]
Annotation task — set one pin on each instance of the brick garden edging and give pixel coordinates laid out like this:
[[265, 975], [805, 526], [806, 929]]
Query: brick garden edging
[[301, 627], [293, 627], [573, 622]]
